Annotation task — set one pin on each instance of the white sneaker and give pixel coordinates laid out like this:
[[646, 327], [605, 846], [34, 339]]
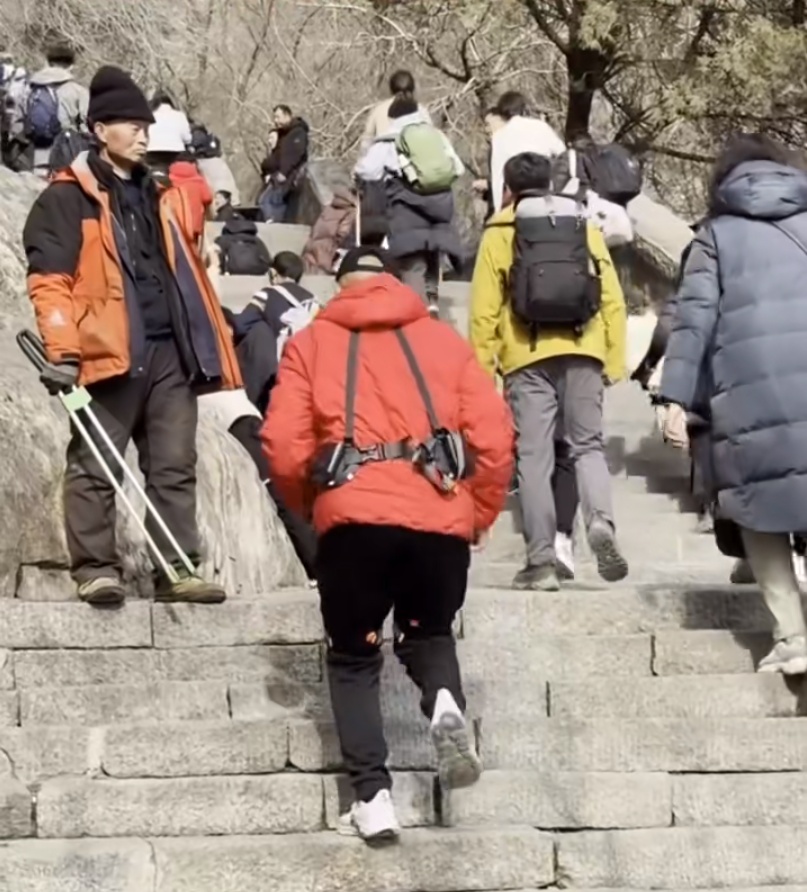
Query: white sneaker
[[789, 656], [373, 821], [564, 556], [457, 762]]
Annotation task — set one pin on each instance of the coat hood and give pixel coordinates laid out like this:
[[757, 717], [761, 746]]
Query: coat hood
[[763, 190], [379, 302], [185, 171], [51, 76], [239, 226], [397, 125]]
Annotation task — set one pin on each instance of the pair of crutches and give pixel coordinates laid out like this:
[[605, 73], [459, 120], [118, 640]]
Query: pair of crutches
[[77, 402]]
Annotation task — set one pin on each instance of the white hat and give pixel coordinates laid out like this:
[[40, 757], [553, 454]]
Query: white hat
[[164, 137]]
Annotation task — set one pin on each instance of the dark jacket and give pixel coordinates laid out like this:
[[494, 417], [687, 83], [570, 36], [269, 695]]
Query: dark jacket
[[421, 222], [256, 330], [290, 155], [87, 292], [252, 257], [738, 343]]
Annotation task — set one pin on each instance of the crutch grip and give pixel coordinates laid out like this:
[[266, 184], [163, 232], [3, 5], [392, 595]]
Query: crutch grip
[[33, 349]]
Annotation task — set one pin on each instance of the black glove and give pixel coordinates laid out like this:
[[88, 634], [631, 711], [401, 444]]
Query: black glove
[[59, 376]]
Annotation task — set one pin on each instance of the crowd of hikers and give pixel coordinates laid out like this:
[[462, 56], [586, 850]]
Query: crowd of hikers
[[380, 433]]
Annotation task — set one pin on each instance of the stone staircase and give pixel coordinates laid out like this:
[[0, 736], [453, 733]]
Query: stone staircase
[[627, 742]]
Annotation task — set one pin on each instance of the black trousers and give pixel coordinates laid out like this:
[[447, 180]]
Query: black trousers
[[247, 431], [158, 411], [364, 572], [564, 488]]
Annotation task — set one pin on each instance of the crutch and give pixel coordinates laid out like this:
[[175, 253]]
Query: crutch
[[77, 402]]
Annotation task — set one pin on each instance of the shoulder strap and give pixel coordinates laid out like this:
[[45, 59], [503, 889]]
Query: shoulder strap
[[350, 387], [419, 379], [281, 289]]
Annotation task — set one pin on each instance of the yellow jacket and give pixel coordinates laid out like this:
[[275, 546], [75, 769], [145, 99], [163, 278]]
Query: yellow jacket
[[502, 344]]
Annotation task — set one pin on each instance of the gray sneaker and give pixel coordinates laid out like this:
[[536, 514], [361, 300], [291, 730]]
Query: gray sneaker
[[789, 656], [102, 591], [458, 764], [536, 579], [190, 589], [611, 563]]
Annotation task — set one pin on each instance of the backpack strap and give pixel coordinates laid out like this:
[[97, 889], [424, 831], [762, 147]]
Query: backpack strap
[[434, 424], [350, 387]]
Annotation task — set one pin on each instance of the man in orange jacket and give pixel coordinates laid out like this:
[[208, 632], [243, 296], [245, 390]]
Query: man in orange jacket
[[124, 306], [411, 450]]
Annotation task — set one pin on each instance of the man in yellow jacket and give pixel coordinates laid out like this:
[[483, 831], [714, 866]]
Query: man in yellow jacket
[[551, 373]]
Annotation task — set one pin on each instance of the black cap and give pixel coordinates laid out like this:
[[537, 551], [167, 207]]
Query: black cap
[[366, 259], [114, 96]]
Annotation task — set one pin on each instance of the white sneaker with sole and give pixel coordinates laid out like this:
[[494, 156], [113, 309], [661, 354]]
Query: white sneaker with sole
[[457, 762], [564, 556], [373, 821], [789, 656]]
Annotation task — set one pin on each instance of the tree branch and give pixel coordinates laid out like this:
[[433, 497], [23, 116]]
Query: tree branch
[[545, 25]]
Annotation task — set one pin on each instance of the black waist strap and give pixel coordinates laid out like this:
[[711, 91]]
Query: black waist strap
[[402, 449]]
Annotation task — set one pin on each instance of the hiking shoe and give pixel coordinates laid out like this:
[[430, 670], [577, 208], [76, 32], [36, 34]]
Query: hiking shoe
[[611, 563], [457, 762], [373, 821], [741, 573], [102, 591], [789, 656], [536, 579], [190, 588], [564, 556]]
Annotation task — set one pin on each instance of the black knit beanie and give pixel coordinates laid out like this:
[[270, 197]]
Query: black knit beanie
[[114, 96]]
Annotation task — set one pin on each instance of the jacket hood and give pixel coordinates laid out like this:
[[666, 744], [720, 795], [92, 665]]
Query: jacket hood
[[761, 189], [238, 226], [396, 125], [343, 198], [379, 302], [185, 171], [51, 76]]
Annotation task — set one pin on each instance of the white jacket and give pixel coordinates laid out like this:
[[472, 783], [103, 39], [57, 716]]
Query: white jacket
[[172, 123], [519, 135], [382, 161]]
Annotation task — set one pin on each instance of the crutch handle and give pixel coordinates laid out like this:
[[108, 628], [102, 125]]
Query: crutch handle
[[33, 348]]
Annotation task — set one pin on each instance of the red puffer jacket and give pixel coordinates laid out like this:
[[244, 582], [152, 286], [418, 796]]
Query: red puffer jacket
[[307, 411]]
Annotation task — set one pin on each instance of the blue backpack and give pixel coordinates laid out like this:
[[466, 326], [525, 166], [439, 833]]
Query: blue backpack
[[42, 124]]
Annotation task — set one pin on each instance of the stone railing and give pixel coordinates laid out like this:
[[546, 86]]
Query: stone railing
[[647, 268]]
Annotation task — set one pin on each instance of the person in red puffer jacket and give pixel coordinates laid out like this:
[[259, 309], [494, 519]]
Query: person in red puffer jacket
[[185, 175], [401, 486]]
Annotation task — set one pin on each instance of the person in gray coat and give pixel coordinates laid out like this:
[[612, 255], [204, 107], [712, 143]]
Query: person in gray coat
[[738, 347]]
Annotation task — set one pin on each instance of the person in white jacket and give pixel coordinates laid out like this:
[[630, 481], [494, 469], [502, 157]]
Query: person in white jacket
[[169, 119], [512, 133]]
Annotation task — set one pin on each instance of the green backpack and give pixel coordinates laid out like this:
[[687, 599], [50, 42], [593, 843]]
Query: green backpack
[[426, 161]]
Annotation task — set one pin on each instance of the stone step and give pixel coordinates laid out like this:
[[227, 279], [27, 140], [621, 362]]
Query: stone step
[[708, 652], [142, 666], [646, 745], [687, 697], [684, 857], [473, 860], [496, 615], [291, 803]]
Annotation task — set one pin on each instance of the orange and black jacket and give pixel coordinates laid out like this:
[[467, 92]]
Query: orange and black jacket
[[82, 284]]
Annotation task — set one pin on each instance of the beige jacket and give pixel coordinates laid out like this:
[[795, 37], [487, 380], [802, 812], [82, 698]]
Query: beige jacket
[[378, 123]]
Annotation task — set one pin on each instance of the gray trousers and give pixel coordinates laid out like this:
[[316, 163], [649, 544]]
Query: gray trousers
[[421, 272], [158, 410], [569, 386]]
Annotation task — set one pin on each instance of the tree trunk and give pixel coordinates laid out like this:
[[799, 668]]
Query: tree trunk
[[586, 72]]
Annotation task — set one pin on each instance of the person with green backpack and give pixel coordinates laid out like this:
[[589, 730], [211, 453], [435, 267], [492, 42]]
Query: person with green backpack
[[418, 165]]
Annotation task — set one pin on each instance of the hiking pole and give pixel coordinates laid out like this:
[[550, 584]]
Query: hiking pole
[[77, 400]]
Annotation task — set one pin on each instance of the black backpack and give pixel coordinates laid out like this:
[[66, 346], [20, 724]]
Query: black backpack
[[244, 255], [204, 144], [554, 282], [613, 172], [68, 146]]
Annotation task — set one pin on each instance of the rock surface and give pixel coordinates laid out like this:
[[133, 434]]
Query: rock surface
[[244, 543]]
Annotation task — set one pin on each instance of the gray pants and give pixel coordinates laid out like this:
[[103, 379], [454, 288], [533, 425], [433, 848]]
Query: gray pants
[[572, 387], [421, 272], [158, 410]]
